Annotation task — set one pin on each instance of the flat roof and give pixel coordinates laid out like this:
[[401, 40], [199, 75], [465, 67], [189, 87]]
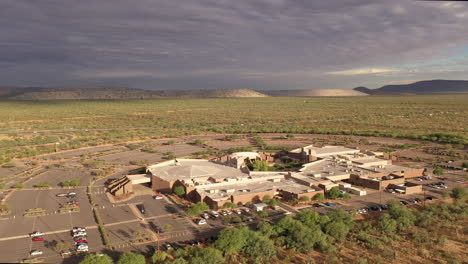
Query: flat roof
[[326, 150], [186, 169]]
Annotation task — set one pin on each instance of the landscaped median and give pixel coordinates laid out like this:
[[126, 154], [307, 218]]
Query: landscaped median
[[35, 212], [69, 209]]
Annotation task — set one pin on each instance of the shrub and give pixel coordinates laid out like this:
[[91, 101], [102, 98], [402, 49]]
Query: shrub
[[42, 185], [459, 192], [263, 214], [438, 171], [319, 197]]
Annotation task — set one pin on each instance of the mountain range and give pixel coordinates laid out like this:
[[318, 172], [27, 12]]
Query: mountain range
[[84, 93], [421, 87]]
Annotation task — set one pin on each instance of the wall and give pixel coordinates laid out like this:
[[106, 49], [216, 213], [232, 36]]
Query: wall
[[413, 173], [244, 198], [160, 185]]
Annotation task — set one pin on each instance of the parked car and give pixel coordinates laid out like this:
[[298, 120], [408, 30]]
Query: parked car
[[417, 200], [78, 229], [36, 233], [384, 207], [201, 222], [224, 212], [403, 202], [390, 190], [79, 237], [62, 195], [81, 240], [205, 216], [214, 214], [158, 197], [81, 243], [66, 253], [37, 239], [79, 234], [329, 204], [246, 209], [167, 246], [141, 207], [36, 253], [82, 249], [429, 198]]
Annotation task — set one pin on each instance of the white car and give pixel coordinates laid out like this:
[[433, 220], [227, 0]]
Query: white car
[[246, 209], [205, 215], [82, 247], [214, 213], [37, 233], [79, 234], [36, 253], [201, 222], [82, 250], [79, 229], [158, 197]]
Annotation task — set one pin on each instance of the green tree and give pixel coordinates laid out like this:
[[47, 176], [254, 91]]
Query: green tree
[[131, 258], [305, 199], [334, 193], [159, 257], [319, 197], [387, 224], [438, 171], [337, 229], [263, 214], [309, 218], [179, 190], [231, 240], [260, 165], [179, 261], [207, 255], [265, 229], [259, 247], [266, 198], [274, 202], [465, 165], [197, 208], [404, 217], [96, 259]]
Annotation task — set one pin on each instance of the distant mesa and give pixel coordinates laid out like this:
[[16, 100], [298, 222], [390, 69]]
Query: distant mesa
[[115, 93], [422, 87], [121, 93], [315, 92]]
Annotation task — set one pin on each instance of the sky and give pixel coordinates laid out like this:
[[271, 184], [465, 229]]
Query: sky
[[227, 44]]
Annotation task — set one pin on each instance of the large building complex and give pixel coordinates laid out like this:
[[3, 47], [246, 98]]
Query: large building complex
[[228, 179]]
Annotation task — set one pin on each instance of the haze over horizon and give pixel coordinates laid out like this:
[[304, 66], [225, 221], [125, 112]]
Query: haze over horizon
[[221, 44]]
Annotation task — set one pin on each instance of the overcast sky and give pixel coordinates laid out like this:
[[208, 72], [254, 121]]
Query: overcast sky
[[257, 44]]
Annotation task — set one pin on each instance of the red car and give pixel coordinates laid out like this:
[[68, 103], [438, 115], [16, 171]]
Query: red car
[[81, 241], [37, 239]]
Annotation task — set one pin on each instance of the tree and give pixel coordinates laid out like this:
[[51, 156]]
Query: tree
[[309, 218], [179, 190], [404, 217], [266, 198], [263, 214], [337, 229], [259, 247], [231, 240], [131, 258], [305, 199], [465, 165], [459, 192], [197, 208], [386, 224], [260, 165], [179, 261], [334, 193], [159, 257], [438, 171], [207, 255], [97, 259], [319, 197], [274, 202], [265, 229]]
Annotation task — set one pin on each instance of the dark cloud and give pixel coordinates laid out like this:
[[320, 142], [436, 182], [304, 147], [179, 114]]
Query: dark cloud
[[263, 44]]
